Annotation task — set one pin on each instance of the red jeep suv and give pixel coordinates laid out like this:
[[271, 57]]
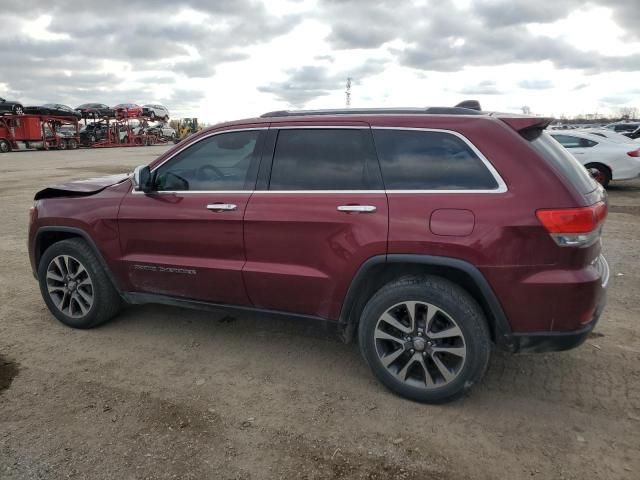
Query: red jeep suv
[[431, 235]]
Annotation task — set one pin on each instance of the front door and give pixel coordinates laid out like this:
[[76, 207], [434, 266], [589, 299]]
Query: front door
[[319, 216], [186, 238]]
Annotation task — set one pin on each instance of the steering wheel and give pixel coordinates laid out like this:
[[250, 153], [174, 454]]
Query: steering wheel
[[209, 172]]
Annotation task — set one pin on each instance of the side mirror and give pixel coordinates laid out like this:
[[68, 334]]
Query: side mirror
[[142, 179]]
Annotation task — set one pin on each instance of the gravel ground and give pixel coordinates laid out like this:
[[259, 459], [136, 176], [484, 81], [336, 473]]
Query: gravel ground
[[162, 392]]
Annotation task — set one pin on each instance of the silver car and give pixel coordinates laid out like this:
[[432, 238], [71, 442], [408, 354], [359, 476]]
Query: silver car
[[155, 112]]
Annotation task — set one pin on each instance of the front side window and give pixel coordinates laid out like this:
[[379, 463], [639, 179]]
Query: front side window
[[422, 160], [221, 162], [324, 159]]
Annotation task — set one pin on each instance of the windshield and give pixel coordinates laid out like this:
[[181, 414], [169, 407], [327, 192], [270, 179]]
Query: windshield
[[565, 163]]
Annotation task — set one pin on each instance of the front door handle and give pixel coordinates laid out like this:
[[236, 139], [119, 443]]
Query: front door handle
[[222, 206], [357, 208]]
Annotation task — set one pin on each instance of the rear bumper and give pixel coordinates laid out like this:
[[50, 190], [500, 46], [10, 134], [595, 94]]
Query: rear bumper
[[629, 170], [538, 342], [556, 341]]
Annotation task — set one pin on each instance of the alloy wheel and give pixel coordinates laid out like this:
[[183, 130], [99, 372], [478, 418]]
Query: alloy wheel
[[70, 286], [19, 110], [420, 344]]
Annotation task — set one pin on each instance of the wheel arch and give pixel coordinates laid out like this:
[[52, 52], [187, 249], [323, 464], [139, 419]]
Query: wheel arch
[[47, 236], [380, 270]]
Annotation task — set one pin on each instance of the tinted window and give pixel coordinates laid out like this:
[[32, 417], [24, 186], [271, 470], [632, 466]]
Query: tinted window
[[568, 141], [625, 128], [565, 163], [418, 160], [319, 159], [220, 162]]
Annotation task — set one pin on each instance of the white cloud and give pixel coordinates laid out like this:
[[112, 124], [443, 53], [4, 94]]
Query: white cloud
[[238, 58]]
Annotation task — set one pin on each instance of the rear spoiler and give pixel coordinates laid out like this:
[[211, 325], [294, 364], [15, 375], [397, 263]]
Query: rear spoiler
[[519, 123]]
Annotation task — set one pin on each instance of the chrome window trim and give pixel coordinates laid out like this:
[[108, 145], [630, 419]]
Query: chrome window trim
[[502, 186]]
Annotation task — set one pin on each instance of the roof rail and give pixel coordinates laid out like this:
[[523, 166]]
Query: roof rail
[[375, 111]]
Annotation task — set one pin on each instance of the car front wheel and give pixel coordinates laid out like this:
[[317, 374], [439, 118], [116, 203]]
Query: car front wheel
[[425, 339], [74, 285], [4, 146], [18, 110]]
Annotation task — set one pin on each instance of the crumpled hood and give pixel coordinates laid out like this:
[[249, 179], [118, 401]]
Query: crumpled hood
[[79, 188]]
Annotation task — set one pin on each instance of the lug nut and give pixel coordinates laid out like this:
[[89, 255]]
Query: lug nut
[[412, 351], [419, 333]]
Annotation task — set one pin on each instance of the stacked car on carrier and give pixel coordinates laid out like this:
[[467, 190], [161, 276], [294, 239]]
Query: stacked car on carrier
[[55, 125]]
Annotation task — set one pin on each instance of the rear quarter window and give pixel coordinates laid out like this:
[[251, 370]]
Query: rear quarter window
[[564, 163], [430, 160]]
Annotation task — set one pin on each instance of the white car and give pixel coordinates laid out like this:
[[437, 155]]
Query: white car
[[613, 159], [154, 111], [164, 130]]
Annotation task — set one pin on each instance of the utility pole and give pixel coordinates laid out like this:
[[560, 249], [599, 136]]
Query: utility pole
[[348, 92]]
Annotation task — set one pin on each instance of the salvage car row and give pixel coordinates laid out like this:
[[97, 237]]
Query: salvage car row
[[88, 110]]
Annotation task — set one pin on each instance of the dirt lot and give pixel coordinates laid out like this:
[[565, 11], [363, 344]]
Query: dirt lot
[[167, 393]]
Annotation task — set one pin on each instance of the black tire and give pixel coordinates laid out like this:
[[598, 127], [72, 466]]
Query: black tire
[[459, 306], [603, 176], [4, 146], [72, 143], [62, 145], [18, 109], [106, 301]]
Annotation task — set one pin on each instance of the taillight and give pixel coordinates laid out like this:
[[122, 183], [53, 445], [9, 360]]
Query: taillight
[[574, 227], [634, 153]]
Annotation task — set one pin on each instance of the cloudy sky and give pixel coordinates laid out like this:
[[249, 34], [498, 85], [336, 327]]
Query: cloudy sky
[[226, 59]]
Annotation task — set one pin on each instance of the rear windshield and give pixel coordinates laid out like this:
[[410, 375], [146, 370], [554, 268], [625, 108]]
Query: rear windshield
[[565, 163]]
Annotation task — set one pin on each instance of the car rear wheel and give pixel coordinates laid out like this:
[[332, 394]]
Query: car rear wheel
[[18, 110], [74, 285], [4, 146], [425, 339], [72, 143], [602, 173], [62, 144]]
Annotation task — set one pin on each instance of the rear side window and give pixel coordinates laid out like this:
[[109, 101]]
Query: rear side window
[[324, 159], [568, 141], [565, 163], [421, 160]]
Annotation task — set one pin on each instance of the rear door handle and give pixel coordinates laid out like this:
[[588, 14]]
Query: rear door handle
[[357, 208], [222, 206]]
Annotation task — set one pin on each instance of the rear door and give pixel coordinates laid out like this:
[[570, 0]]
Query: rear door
[[581, 147], [319, 212], [186, 238]]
